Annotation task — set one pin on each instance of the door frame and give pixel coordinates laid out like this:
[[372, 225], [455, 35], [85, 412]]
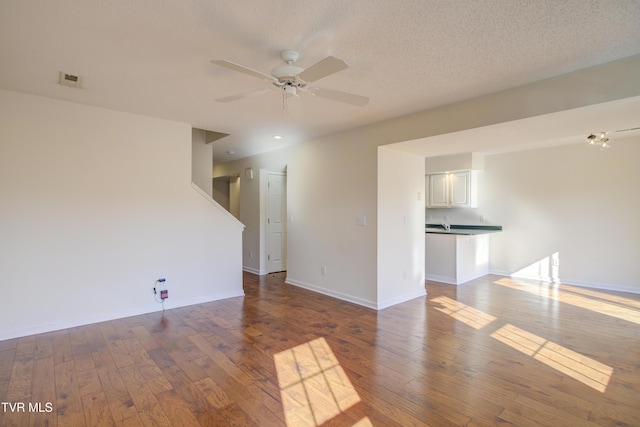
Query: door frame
[[264, 213]]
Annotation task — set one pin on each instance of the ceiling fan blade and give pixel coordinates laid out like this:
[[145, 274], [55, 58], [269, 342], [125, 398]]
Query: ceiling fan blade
[[244, 95], [324, 68], [336, 95], [242, 69]]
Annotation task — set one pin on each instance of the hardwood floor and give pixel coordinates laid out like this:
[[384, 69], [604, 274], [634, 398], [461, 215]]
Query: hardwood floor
[[495, 351]]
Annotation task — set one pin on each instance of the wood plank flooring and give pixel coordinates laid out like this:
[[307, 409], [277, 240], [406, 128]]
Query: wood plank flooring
[[495, 351]]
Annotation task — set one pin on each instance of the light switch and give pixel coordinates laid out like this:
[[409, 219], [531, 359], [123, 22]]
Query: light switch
[[362, 220]]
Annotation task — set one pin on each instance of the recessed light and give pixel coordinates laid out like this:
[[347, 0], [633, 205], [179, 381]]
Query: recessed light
[[277, 137]]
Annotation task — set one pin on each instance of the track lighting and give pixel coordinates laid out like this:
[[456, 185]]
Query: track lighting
[[601, 141]]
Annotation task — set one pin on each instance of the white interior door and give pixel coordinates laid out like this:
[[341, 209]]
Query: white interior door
[[276, 223]]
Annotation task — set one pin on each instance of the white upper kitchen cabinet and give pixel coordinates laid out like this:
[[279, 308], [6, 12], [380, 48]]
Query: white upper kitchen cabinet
[[452, 190], [438, 190]]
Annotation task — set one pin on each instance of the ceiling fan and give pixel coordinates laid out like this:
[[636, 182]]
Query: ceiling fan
[[291, 79]]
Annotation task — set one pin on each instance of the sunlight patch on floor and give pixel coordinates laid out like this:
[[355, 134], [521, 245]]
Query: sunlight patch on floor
[[313, 386], [558, 294], [468, 315], [593, 293], [579, 367]]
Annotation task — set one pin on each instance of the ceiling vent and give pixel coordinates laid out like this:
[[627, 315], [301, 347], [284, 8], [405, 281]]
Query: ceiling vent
[[70, 80]]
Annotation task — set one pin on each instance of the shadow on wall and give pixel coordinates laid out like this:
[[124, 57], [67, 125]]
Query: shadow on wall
[[226, 191]]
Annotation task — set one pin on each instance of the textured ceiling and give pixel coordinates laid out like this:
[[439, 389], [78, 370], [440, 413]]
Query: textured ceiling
[[152, 57]]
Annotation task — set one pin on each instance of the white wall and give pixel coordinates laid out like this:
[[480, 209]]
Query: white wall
[[453, 162], [401, 239], [580, 203], [332, 180], [96, 205], [221, 192], [326, 192], [248, 200], [234, 196], [201, 161]]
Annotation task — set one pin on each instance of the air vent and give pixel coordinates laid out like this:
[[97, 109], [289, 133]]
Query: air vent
[[70, 80]]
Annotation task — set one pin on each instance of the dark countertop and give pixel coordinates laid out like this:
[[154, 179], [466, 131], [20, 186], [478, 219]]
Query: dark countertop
[[466, 230]]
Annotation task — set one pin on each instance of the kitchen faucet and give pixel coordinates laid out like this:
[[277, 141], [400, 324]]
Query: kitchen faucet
[[446, 226]]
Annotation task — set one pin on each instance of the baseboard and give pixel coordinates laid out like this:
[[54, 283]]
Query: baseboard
[[349, 298], [254, 271], [441, 279], [453, 281], [602, 287], [202, 300], [526, 276], [471, 277], [404, 298], [591, 285], [113, 316], [334, 294]]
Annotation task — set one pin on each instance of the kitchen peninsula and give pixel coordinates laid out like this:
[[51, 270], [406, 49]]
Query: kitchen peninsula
[[458, 253]]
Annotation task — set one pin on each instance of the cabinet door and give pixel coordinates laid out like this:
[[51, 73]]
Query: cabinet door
[[427, 192], [438, 191], [460, 189]]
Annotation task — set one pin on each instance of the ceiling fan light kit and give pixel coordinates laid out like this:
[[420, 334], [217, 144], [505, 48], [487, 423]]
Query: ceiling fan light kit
[[289, 91], [291, 79]]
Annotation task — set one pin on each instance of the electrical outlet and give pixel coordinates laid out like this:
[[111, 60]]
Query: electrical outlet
[[324, 270], [446, 218], [483, 218]]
